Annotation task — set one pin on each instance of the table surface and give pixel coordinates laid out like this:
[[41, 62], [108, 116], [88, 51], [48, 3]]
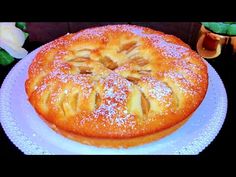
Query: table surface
[[222, 145]]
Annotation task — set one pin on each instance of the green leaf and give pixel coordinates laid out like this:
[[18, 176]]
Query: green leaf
[[230, 22], [21, 25], [5, 58], [206, 24], [232, 29], [26, 35], [218, 27], [226, 28]]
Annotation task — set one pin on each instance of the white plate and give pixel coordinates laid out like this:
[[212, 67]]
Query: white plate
[[32, 136]]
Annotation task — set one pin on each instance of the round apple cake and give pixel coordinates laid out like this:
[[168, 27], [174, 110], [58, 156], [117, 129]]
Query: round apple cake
[[116, 85]]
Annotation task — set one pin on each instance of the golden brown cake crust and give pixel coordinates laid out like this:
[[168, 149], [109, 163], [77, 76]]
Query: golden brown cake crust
[[118, 142], [116, 81]]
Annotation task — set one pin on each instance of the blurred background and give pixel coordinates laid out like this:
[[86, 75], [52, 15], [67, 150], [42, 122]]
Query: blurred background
[[43, 32]]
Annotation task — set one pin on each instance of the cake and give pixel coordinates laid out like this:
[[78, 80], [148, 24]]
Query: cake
[[116, 85]]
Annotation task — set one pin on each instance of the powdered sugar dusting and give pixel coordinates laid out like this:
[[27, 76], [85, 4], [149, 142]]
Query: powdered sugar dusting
[[71, 80], [159, 89], [170, 50], [93, 33], [113, 110], [121, 121], [110, 106], [174, 75], [184, 85], [60, 54], [56, 44], [116, 88]]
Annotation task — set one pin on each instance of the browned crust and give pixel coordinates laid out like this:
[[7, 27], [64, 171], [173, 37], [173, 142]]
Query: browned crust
[[118, 143], [145, 131]]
